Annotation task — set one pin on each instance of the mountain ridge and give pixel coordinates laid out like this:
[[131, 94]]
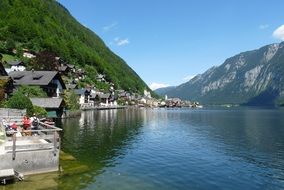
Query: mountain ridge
[[253, 77]]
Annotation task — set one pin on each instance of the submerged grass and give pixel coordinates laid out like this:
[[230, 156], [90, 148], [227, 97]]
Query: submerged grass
[[69, 165]]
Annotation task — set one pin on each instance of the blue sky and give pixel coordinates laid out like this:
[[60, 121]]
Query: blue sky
[[168, 41]]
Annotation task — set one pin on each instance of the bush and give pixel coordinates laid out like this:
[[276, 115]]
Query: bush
[[32, 91], [20, 101], [39, 111], [71, 100]]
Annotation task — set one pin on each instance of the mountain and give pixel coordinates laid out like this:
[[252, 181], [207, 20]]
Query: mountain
[[251, 78], [40, 25], [164, 90]]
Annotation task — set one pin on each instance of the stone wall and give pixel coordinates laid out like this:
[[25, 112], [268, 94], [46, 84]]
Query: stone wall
[[31, 162]]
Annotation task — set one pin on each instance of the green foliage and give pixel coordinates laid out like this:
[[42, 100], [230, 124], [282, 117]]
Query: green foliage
[[39, 111], [44, 60], [71, 100], [8, 57], [121, 102], [10, 44], [3, 84], [3, 103], [32, 91], [102, 86], [20, 101], [46, 25], [92, 72]]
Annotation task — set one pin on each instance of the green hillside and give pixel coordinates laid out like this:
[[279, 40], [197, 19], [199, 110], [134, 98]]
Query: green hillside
[[46, 25]]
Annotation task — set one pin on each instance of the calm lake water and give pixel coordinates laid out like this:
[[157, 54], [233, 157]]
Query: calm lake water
[[236, 148]]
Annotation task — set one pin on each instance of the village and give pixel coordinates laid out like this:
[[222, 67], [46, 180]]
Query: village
[[55, 82]]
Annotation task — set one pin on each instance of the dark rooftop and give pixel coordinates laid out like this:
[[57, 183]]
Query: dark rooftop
[[33, 77], [15, 63], [47, 102]]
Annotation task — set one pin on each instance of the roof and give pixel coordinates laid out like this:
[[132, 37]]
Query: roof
[[62, 68], [104, 95], [5, 78], [70, 66], [100, 76], [71, 86], [47, 102], [15, 63], [41, 78], [80, 91], [122, 94]]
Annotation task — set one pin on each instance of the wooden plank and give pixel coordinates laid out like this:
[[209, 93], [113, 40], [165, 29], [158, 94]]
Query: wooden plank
[[32, 149], [14, 146], [38, 137]]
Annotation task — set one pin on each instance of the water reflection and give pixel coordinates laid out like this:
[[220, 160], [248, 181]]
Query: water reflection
[[240, 148], [99, 137]]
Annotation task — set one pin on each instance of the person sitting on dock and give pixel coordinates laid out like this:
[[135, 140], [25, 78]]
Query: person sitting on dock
[[5, 124], [12, 128], [26, 122], [26, 125], [8, 126], [34, 123]]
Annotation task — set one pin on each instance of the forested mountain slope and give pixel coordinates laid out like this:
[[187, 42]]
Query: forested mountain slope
[[46, 25]]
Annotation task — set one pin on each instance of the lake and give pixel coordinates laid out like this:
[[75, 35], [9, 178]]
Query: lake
[[210, 148]]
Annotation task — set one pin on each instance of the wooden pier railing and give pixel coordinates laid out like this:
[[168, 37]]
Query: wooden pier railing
[[45, 138]]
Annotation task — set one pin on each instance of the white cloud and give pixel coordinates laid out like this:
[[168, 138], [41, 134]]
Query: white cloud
[[189, 77], [279, 33], [155, 86], [121, 42], [110, 27], [263, 26]]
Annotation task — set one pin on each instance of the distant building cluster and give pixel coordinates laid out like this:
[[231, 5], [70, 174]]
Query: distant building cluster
[[66, 76]]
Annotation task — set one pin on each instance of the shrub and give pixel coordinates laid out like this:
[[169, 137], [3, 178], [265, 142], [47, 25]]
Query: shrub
[[39, 111], [20, 101], [32, 91], [71, 100]]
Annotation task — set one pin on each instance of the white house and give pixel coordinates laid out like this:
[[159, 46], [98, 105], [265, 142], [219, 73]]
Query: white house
[[17, 65], [28, 55], [147, 94]]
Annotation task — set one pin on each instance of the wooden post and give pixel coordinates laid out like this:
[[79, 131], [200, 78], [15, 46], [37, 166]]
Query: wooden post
[[14, 146], [54, 142]]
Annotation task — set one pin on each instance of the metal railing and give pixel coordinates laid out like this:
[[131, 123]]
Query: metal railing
[[45, 138]]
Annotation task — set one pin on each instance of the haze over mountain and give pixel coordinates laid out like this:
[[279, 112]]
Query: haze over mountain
[[40, 25], [253, 78], [164, 90]]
